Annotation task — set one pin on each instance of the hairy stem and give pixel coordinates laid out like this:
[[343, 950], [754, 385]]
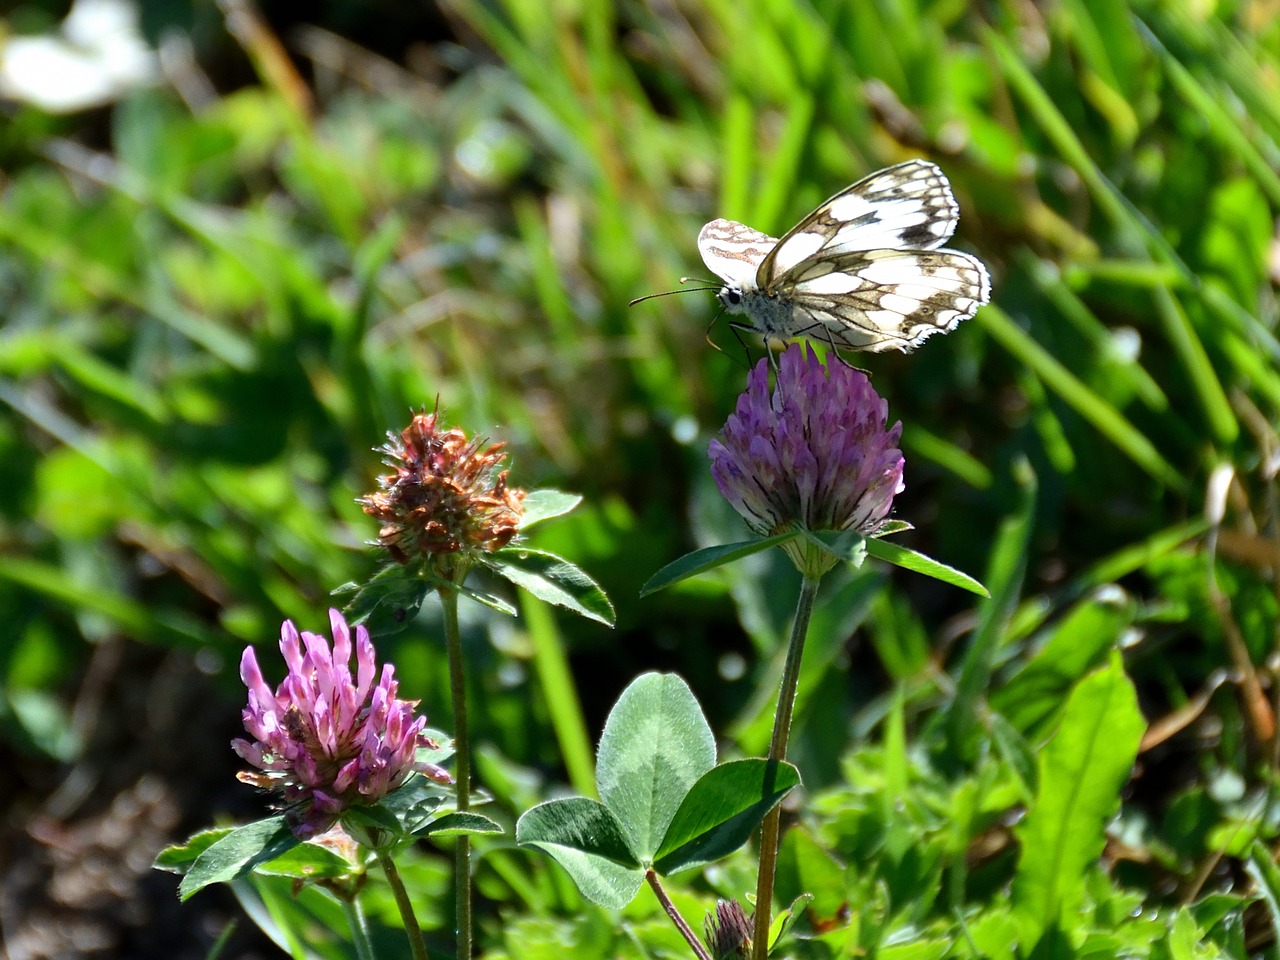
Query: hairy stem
[[359, 928], [416, 945], [685, 930], [778, 751], [462, 767]]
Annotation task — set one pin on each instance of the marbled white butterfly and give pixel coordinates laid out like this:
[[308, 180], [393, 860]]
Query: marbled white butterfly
[[864, 271]]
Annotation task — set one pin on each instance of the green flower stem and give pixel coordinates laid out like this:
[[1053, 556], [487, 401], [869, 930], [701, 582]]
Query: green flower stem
[[462, 767], [686, 931], [778, 751], [411, 928], [359, 928]]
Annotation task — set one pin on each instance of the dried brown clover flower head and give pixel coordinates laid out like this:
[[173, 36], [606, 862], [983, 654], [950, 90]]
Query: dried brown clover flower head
[[445, 500]]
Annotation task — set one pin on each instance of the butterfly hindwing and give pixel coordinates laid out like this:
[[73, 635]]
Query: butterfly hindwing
[[886, 299]]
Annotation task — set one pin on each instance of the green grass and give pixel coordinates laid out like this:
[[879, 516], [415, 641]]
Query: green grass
[[209, 323]]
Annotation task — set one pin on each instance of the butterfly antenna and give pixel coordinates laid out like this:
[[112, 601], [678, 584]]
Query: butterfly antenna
[[667, 293]]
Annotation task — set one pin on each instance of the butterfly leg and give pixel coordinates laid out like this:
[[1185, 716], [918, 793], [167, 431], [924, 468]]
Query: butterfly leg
[[737, 329], [819, 330], [707, 335], [835, 351], [736, 336], [773, 356]]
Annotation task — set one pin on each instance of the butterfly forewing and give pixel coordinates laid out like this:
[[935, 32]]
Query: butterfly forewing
[[863, 271], [909, 205]]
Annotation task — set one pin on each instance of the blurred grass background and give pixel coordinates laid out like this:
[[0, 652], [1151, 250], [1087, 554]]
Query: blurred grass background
[[220, 290]]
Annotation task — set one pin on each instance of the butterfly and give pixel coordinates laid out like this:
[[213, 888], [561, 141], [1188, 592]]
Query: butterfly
[[865, 271]]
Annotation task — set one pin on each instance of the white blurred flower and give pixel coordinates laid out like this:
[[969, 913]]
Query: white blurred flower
[[98, 54]]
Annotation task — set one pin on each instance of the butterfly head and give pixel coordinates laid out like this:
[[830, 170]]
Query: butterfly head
[[732, 298]]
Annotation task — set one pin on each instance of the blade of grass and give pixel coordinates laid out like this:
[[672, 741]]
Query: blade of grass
[[1064, 139], [1135, 557], [1213, 398], [1131, 273], [918, 441], [1004, 575], [560, 695], [738, 148], [103, 283], [140, 620], [1104, 417], [1074, 310], [784, 165], [1221, 125], [1133, 226]]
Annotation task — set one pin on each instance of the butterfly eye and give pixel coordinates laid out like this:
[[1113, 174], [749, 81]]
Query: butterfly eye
[[731, 296]]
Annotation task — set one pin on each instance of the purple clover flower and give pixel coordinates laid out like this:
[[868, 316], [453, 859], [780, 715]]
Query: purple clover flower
[[813, 454], [324, 739]]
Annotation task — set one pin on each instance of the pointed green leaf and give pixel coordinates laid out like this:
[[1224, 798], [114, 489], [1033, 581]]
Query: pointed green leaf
[[374, 826], [720, 812], [1081, 773], [307, 861], [413, 807], [375, 817], [237, 854], [655, 746], [708, 558], [542, 505], [919, 563], [387, 603], [784, 920], [304, 861], [459, 822], [889, 528], [587, 840], [487, 599], [554, 580], [179, 857], [845, 545], [1078, 642]]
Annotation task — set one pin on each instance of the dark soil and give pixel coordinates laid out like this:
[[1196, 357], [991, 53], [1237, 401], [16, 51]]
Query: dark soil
[[78, 840]]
